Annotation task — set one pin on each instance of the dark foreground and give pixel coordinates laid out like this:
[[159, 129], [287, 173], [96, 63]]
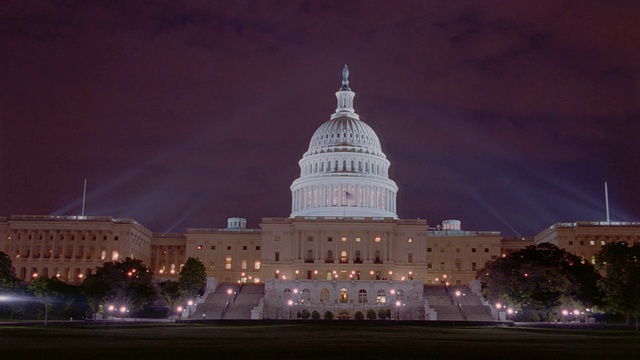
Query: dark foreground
[[309, 340]]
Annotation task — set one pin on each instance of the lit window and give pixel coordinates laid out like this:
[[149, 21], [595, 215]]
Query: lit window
[[244, 264], [603, 243], [410, 240], [212, 264], [441, 250], [277, 238], [358, 239], [199, 247], [114, 255], [227, 263], [257, 265], [378, 239], [343, 239], [592, 243], [103, 254]]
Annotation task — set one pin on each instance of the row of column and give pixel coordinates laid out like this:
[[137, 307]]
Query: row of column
[[372, 197]]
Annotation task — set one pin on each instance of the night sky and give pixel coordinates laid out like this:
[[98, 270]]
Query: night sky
[[506, 115]]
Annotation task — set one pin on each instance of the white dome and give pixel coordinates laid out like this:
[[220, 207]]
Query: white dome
[[344, 172]]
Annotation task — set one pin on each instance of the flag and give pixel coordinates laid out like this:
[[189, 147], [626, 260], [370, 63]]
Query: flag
[[350, 196]]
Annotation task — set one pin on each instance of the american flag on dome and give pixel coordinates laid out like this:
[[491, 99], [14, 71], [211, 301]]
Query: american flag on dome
[[350, 196]]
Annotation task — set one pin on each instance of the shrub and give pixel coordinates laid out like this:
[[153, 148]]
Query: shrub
[[328, 315], [384, 314], [315, 315], [359, 315], [371, 314]]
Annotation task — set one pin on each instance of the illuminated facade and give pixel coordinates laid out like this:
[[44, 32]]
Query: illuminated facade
[[343, 249]]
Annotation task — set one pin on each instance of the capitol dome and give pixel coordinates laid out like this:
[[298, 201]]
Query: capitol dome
[[344, 172]]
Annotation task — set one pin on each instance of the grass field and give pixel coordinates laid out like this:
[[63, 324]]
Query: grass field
[[309, 340]]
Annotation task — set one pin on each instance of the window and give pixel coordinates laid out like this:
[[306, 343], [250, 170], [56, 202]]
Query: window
[[473, 249], [343, 239], [378, 239], [213, 247], [441, 250], [570, 242], [256, 265], [458, 264], [473, 266], [603, 243], [228, 247], [442, 266], [114, 255], [257, 247], [429, 266], [329, 238], [381, 297], [410, 240], [410, 258], [227, 263], [310, 238], [592, 243], [324, 296], [362, 296], [244, 248], [212, 264], [343, 257], [581, 242], [457, 250], [103, 254], [115, 238], [277, 256], [486, 249], [199, 247], [277, 238], [244, 264], [428, 249], [358, 239]]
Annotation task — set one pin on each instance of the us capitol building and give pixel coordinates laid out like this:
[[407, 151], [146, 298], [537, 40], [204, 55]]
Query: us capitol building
[[343, 249]]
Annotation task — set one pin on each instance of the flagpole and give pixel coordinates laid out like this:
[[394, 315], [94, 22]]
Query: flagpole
[[606, 200], [84, 196]]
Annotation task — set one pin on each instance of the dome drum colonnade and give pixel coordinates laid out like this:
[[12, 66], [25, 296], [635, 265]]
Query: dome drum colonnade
[[344, 172]]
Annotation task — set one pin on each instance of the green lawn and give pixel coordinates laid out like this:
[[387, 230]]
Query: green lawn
[[337, 340]]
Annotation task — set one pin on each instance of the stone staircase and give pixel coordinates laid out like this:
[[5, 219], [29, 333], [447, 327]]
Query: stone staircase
[[219, 304]]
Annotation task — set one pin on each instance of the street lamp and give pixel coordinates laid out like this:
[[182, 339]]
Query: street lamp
[[565, 313], [290, 303], [190, 304], [123, 311], [398, 304], [457, 294]]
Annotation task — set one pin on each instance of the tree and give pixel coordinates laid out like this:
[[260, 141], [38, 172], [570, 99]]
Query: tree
[[123, 284], [305, 314], [384, 314], [171, 294], [315, 315], [328, 315], [57, 295], [193, 277], [8, 279], [538, 279], [371, 314], [621, 285], [359, 315]]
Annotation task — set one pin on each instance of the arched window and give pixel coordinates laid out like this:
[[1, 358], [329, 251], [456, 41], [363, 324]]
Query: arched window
[[329, 255], [306, 295], [381, 297], [324, 296], [400, 295], [343, 257], [377, 259], [362, 296], [358, 259], [344, 295], [458, 264], [286, 294], [310, 255]]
